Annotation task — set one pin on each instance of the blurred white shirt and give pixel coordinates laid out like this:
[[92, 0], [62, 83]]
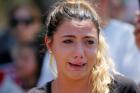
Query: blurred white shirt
[[9, 86], [122, 48], [47, 73]]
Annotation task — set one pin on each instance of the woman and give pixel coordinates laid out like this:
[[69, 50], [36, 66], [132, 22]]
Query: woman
[[27, 64], [25, 21], [75, 41]]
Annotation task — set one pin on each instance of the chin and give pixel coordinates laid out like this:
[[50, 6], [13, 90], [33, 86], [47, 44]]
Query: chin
[[77, 76]]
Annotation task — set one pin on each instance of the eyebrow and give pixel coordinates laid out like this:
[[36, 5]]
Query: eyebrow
[[89, 37], [69, 36], [72, 36]]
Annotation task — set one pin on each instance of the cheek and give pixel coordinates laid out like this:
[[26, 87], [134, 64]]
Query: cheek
[[61, 55], [92, 55]]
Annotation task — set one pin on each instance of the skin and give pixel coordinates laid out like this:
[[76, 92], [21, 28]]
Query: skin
[[22, 30], [137, 29], [26, 67], [25, 63], [74, 46]]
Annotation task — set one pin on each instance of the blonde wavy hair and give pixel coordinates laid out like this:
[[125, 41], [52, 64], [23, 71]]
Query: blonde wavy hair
[[102, 72], [101, 75]]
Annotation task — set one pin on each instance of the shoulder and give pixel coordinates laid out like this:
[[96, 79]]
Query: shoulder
[[122, 80], [37, 90], [121, 84], [44, 89]]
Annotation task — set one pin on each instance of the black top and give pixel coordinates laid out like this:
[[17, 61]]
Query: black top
[[119, 84]]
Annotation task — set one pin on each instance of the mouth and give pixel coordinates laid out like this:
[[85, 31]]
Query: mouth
[[77, 66]]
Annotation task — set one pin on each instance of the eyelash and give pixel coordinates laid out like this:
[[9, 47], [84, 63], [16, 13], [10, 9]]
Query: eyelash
[[67, 41], [90, 42]]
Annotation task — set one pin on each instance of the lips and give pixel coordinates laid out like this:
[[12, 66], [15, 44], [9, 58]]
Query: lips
[[77, 66]]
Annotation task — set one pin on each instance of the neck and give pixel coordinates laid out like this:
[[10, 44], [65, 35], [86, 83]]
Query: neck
[[70, 86], [28, 83]]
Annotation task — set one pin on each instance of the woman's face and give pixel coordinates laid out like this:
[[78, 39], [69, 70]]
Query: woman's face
[[26, 25], [25, 63], [74, 46]]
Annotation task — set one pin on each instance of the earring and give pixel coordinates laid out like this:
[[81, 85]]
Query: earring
[[50, 51], [51, 58], [53, 65]]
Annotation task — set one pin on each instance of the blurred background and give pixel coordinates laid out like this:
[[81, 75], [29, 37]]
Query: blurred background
[[22, 47]]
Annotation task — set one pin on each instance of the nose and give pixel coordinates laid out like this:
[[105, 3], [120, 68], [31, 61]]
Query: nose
[[79, 52], [21, 26]]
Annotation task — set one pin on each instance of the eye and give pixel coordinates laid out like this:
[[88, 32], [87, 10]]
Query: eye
[[90, 42], [68, 41]]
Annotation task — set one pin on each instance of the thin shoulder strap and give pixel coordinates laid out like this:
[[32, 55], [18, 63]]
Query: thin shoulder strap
[[48, 87]]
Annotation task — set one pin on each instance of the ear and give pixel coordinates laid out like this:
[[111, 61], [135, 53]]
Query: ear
[[48, 43]]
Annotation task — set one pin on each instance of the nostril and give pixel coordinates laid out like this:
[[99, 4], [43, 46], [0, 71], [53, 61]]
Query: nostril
[[75, 57], [79, 52], [78, 57]]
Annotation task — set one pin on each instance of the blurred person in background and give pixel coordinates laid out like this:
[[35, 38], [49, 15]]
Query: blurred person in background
[[130, 10], [6, 40], [27, 64], [137, 30], [7, 85], [25, 21], [25, 69], [117, 8], [120, 37], [24, 25]]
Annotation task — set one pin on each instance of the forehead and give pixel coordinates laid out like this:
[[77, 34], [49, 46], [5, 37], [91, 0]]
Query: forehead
[[77, 28], [22, 12]]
